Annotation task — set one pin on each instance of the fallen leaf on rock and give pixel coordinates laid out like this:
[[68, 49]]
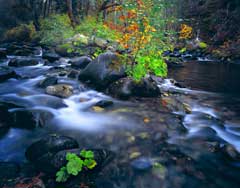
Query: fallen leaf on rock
[[97, 109], [146, 120]]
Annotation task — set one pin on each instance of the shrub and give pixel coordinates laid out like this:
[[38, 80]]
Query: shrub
[[90, 26], [23, 32], [55, 29]]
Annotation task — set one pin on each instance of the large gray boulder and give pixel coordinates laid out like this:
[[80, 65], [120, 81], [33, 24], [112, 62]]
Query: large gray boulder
[[102, 71], [80, 62], [50, 144]]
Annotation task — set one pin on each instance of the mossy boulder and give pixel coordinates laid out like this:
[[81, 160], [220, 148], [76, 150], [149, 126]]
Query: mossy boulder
[[20, 33]]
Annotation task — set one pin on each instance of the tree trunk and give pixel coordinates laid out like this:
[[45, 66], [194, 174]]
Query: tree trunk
[[70, 12]]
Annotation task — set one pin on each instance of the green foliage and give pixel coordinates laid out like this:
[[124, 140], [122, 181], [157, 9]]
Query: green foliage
[[152, 63], [91, 27], [55, 29], [62, 175], [202, 45], [75, 165]]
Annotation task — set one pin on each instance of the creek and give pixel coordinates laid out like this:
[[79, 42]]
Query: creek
[[186, 149]]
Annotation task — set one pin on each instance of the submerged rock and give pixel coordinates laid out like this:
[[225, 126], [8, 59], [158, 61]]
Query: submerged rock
[[73, 74], [23, 62], [3, 53], [127, 87], [51, 144], [16, 116], [104, 70], [142, 164], [6, 74], [60, 90], [231, 153], [104, 103], [80, 62]]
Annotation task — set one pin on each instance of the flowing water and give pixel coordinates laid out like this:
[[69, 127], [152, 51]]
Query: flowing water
[[185, 150]]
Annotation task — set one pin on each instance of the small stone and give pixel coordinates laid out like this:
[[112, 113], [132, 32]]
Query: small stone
[[144, 135], [159, 170], [83, 100], [131, 139], [142, 164]]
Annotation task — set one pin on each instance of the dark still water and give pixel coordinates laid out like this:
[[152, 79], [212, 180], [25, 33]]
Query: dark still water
[[209, 76]]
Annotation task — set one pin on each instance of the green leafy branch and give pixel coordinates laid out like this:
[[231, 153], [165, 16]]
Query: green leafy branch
[[75, 165]]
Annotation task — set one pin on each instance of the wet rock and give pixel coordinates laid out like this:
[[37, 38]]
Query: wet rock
[[177, 84], [49, 81], [141, 164], [3, 53], [127, 87], [102, 43], [19, 117], [175, 63], [187, 108], [102, 71], [51, 56], [51, 144], [23, 62], [22, 50], [231, 153], [104, 103], [73, 74], [49, 101], [9, 170], [50, 163], [6, 74], [80, 62], [60, 90], [24, 119]]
